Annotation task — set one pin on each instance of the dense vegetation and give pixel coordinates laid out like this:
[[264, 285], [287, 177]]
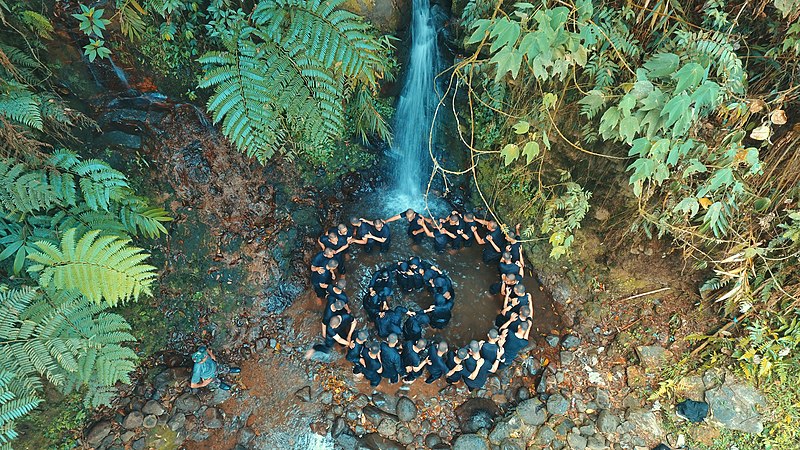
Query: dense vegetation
[[694, 102]]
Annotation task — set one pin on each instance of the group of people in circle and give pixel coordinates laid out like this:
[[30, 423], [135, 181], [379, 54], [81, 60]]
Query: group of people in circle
[[399, 351]]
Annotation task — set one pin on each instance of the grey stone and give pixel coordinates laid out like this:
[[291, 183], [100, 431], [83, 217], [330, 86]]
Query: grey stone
[[602, 399], [587, 430], [177, 421], [504, 429], [432, 439], [98, 432], [149, 421], [212, 418], [339, 427], [387, 428], [607, 422], [522, 394], [557, 405], [552, 340], [596, 442], [326, 398], [564, 427], [246, 435], [545, 436], [571, 342], [406, 409], [347, 442], [138, 444], [133, 420], [360, 401], [304, 393], [567, 357], [576, 441], [470, 442], [476, 414], [532, 412], [645, 423], [377, 442], [736, 407], [127, 436], [187, 402], [652, 356], [375, 415], [153, 407], [404, 435]]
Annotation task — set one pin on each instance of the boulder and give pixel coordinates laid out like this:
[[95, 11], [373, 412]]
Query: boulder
[[607, 422], [149, 421], [406, 409], [511, 426], [645, 424], [98, 432], [557, 405], [133, 420], [153, 407], [532, 412], [404, 435], [177, 421], [652, 356], [545, 436], [471, 442], [476, 414], [737, 407], [213, 418], [388, 16], [375, 415], [576, 441], [187, 402], [387, 428], [375, 441]]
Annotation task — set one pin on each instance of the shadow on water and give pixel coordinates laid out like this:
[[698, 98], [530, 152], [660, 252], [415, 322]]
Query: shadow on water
[[475, 308]]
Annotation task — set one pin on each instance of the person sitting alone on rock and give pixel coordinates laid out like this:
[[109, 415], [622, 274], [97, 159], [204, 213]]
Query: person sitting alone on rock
[[206, 370], [354, 351], [513, 343], [339, 329], [436, 362], [414, 359], [371, 363], [390, 359]]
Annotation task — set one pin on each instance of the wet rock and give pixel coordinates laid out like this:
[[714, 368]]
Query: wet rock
[[304, 393], [98, 432], [213, 418], [360, 401], [153, 407], [170, 378], [736, 407], [522, 394], [149, 421], [432, 439], [133, 420], [644, 423], [567, 357], [587, 430], [387, 427], [513, 444], [512, 426], [557, 405], [552, 340], [532, 412], [476, 414], [187, 402], [406, 409], [470, 442], [545, 436], [602, 399], [571, 342], [375, 441], [138, 444], [564, 427], [376, 415], [652, 356], [339, 427], [387, 403], [177, 421], [347, 442], [326, 398], [127, 436], [607, 422], [404, 435], [119, 139]]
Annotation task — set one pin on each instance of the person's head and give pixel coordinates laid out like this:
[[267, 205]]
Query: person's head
[[200, 354], [474, 346], [442, 346], [338, 305], [506, 256], [333, 237], [336, 321], [469, 217], [374, 348], [524, 326], [341, 229], [378, 224], [519, 290], [493, 334], [409, 214], [332, 265], [341, 284], [491, 225], [392, 339], [362, 336], [525, 311], [355, 221], [511, 278], [462, 353], [453, 219], [328, 253], [421, 343], [439, 282]]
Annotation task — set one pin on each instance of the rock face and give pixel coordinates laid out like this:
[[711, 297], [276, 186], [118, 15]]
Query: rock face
[[212, 418], [406, 409], [736, 407], [470, 442], [388, 16]]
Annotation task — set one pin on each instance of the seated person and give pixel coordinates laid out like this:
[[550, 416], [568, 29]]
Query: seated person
[[414, 358], [437, 365], [513, 343], [339, 329], [414, 324], [371, 363], [390, 359], [390, 322], [206, 371]]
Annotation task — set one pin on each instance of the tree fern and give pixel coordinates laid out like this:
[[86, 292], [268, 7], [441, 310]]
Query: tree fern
[[100, 267]]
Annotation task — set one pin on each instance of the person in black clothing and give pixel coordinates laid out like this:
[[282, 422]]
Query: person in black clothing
[[415, 266], [390, 322], [414, 359], [517, 319], [379, 233], [336, 291], [359, 229], [455, 360], [380, 280], [414, 229], [338, 244], [441, 311], [390, 359], [442, 284], [508, 282], [339, 329], [437, 361], [438, 233], [354, 351], [475, 370], [321, 258], [514, 248], [321, 278], [371, 363], [334, 308], [456, 231], [413, 326], [493, 243], [470, 227], [519, 297], [404, 277], [506, 267], [513, 343], [374, 303], [429, 274], [491, 351]]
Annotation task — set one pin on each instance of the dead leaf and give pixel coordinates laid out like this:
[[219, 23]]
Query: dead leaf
[[760, 133], [757, 105], [705, 202], [778, 117]]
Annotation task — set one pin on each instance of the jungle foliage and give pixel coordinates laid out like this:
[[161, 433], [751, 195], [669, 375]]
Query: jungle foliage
[[699, 101], [66, 226]]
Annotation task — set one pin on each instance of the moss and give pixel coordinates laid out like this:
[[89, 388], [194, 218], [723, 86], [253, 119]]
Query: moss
[[55, 425]]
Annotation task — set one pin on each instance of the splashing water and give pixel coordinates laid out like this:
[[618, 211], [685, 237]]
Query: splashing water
[[414, 116]]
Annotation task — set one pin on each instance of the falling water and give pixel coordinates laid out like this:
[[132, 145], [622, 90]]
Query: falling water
[[414, 116]]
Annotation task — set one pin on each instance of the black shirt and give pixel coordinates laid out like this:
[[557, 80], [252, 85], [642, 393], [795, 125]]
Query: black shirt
[[512, 347], [342, 329], [319, 260], [353, 354], [325, 277], [438, 365], [507, 268], [489, 352], [412, 328], [410, 357], [383, 324], [499, 240], [391, 361], [383, 233]]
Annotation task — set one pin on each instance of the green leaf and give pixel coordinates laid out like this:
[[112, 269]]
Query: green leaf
[[521, 127], [688, 205], [510, 152], [660, 149], [531, 151], [641, 147], [507, 60], [505, 33], [13, 247], [643, 168], [662, 64], [689, 76], [628, 128], [609, 120], [19, 260], [695, 166], [676, 108], [549, 100], [481, 26]]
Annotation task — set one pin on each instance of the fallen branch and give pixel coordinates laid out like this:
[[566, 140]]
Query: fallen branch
[[646, 293]]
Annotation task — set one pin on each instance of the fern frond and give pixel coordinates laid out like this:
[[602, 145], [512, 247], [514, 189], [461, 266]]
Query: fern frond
[[21, 105]]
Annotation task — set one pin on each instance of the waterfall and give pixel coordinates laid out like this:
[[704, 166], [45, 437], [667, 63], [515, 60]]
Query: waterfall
[[414, 115]]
